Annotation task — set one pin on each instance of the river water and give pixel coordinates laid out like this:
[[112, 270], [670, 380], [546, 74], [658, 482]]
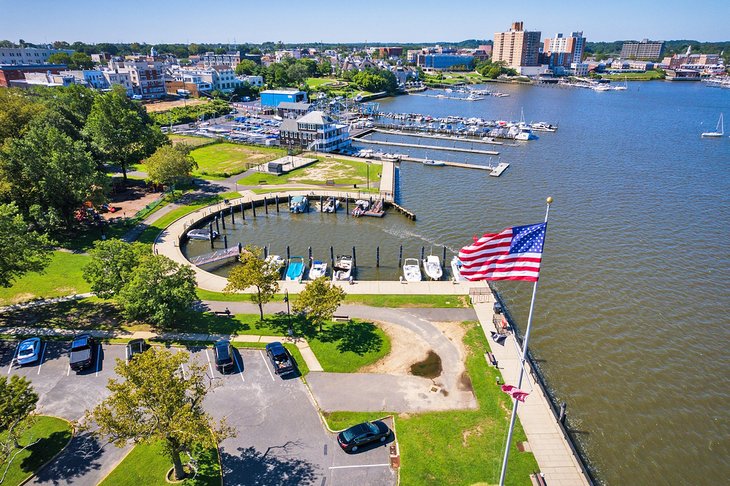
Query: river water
[[631, 319]]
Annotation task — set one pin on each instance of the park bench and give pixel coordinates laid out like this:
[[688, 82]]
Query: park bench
[[340, 318]]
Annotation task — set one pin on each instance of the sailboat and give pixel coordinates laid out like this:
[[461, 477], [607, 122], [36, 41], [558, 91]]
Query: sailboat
[[719, 130]]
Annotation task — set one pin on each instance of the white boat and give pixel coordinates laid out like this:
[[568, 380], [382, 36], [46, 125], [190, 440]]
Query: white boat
[[331, 205], [432, 267], [342, 269], [456, 269], [719, 130], [435, 163], [412, 270], [275, 262], [201, 234], [318, 269]]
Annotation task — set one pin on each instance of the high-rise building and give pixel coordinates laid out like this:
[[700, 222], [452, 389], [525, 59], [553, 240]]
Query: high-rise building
[[564, 51], [517, 47], [646, 50]]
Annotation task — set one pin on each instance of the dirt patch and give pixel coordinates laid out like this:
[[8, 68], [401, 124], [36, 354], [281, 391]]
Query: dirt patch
[[323, 171], [406, 348], [130, 201], [477, 431], [455, 331], [168, 105], [465, 382], [428, 368]]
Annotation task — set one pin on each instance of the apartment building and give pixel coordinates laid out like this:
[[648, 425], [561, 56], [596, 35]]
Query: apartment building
[[517, 47], [645, 50], [28, 55], [564, 50]]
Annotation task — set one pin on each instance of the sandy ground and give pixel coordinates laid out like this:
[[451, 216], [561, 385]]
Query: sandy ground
[[408, 348], [130, 201], [166, 105]]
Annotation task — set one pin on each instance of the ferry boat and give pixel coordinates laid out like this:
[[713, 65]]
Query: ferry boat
[[432, 267], [318, 269], [342, 270], [412, 270], [719, 130], [456, 269], [201, 234], [299, 204], [295, 270]]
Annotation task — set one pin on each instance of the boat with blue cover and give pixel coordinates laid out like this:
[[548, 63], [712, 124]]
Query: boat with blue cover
[[295, 269]]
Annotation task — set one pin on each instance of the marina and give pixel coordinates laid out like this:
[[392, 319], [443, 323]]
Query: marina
[[427, 147]]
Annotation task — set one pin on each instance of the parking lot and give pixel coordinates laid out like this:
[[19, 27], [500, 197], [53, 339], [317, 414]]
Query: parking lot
[[280, 438]]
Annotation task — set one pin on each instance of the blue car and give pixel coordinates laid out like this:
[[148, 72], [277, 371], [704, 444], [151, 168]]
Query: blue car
[[29, 351]]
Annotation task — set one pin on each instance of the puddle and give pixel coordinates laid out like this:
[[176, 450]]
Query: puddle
[[429, 367]]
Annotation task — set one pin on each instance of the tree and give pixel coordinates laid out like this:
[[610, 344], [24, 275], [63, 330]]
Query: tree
[[319, 300], [246, 66], [156, 401], [112, 265], [254, 272], [17, 403], [324, 68], [79, 60], [21, 250], [297, 73], [120, 130], [49, 175], [160, 291], [170, 163], [60, 58], [16, 112]]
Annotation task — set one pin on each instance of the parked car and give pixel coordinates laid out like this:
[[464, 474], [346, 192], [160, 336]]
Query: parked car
[[280, 358], [135, 347], [223, 355], [352, 439], [83, 351], [29, 351]]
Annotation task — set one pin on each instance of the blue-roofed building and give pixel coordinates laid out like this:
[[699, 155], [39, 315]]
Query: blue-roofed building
[[272, 97]]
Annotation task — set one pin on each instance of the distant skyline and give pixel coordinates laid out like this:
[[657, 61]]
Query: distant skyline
[[387, 22]]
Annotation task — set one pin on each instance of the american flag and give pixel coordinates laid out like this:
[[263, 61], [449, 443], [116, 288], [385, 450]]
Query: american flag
[[513, 254]]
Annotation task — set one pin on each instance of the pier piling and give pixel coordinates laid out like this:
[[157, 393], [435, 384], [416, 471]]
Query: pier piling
[[377, 257], [354, 257], [240, 248], [423, 252], [276, 199], [332, 256], [223, 219], [233, 218], [400, 257], [561, 415], [253, 208], [347, 205], [225, 241], [243, 212], [443, 259], [309, 253], [266, 205], [266, 252], [210, 233], [321, 203], [288, 253], [217, 225], [288, 202]]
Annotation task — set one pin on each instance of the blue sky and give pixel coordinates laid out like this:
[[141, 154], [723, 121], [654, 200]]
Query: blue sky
[[393, 21]]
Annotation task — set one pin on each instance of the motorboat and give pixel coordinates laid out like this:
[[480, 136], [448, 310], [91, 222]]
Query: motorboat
[[318, 269], [432, 267], [543, 127], [361, 206], [719, 130], [299, 204], [342, 269], [456, 269], [201, 234], [331, 205], [435, 163], [295, 270], [275, 262], [412, 270]]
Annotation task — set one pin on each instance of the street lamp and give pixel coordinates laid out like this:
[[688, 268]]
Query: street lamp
[[288, 314]]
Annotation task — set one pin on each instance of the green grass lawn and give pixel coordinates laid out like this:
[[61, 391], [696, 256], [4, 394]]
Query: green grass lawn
[[54, 433], [428, 301], [315, 83], [192, 141], [147, 465], [226, 159], [154, 229], [341, 171], [61, 277], [458, 447], [645, 76]]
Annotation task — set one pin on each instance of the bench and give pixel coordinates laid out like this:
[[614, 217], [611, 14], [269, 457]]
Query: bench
[[491, 359], [340, 318], [225, 313], [329, 182], [500, 324]]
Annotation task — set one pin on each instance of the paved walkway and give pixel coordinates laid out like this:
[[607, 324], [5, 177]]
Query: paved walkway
[[552, 451], [309, 358]]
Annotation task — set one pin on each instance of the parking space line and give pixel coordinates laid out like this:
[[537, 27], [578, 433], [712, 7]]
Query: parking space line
[[98, 357], [182, 368], [361, 465], [240, 368], [267, 366], [210, 365], [15, 354], [43, 354], [68, 370]]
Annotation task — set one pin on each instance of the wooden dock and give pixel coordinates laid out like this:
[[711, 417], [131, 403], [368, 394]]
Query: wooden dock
[[429, 135], [408, 214], [501, 167], [216, 256], [429, 147]]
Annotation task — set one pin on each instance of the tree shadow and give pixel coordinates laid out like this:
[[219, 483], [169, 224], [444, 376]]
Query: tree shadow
[[251, 467], [356, 337], [42, 450], [72, 314], [82, 455]]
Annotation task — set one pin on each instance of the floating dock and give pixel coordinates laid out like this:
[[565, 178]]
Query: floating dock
[[427, 135], [216, 256], [493, 171], [429, 147], [497, 171]]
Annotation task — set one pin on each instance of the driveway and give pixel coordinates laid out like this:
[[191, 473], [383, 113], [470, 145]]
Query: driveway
[[280, 437]]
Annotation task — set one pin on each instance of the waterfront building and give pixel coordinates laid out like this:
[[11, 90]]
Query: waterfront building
[[517, 47], [314, 131], [287, 109], [682, 75], [272, 97], [564, 51], [440, 62], [257, 81], [28, 55], [645, 50]]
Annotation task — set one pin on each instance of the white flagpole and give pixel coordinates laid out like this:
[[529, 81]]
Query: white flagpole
[[522, 369]]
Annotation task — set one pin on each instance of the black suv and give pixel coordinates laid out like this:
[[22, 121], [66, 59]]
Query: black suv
[[83, 351], [223, 355]]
